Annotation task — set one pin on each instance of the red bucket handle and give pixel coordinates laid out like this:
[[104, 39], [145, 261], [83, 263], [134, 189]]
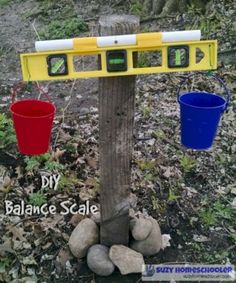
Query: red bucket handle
[[217, 78], [19, 86]]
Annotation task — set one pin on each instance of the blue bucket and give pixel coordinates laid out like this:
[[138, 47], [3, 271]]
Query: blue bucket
[[200, 114]]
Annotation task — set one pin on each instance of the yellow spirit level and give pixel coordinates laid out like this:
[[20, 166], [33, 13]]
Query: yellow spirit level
[[170, 52]]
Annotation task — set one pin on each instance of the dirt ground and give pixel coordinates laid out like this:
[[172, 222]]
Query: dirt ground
[[192, 194]]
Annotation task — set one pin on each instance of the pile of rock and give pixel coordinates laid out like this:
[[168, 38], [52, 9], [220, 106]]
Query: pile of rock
[[147, 240]]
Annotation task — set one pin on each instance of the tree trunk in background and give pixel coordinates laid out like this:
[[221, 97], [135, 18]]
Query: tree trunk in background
[[164, 7]]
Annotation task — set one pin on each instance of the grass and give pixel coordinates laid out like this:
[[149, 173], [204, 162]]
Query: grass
[[38, 198], [147, 110], [187, 163], [4, 3], [62, 29], [219, 213], [5, 264], [143, 60], [208, 25], [42, 161], [137, 8], [7, 134], [60, 19], [146, 165], [202, 251]]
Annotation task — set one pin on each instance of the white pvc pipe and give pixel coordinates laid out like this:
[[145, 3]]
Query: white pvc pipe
[[116, 40], [174, 36], [53, 45]]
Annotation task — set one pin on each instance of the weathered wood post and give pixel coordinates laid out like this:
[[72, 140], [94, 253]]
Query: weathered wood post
[[116, 116]]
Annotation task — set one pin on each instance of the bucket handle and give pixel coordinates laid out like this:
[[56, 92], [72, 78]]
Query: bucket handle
[[217, 78], [19, 86]]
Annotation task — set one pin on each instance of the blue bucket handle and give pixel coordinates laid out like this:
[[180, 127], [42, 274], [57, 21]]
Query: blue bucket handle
[[217, 78]]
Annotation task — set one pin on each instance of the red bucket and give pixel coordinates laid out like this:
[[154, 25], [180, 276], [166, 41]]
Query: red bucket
[[32, 121]]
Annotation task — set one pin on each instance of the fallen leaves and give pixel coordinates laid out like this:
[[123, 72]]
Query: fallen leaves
[[200, 238], [17, 233], [76, 218], [171, 171], [87, 194], [92, 162], [56, 155], [62, 259], [6, 247], [6, 182], [232, 188]]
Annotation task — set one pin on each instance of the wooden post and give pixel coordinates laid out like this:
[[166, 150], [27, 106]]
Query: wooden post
[[116, 116]]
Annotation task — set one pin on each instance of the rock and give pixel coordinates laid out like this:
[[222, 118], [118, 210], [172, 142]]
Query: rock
[[6, 181], [83, 237], [140, 228], [131, 213], [127, 260], [152, 244], [234, 203], [133, 199], [98, 260], [165, 241], [96, 217], [84, 111]]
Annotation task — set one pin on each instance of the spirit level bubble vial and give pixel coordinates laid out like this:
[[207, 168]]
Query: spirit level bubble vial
[[179, 51]]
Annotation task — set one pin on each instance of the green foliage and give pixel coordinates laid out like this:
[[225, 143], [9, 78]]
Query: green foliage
[[53, 166], [34, 162], [150, 177], [50, 10], [43, 161], [137, 8], [4, 2], [31, 164], [7, 134], [143, 60], [66, 182], [193, 10], [4, 264], [60, 18], [149, 169], [217, 213], [187, 163], [96, 185], [233, 236], [201, 251], [155, 203], [223, 211], [172, 196], [70, 148], [62, 29], [208, 217], [1, 50], [208, 25], [221, 158], [158, 205], [146, 165], [146, 110], [158, 134], [38, 198]]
